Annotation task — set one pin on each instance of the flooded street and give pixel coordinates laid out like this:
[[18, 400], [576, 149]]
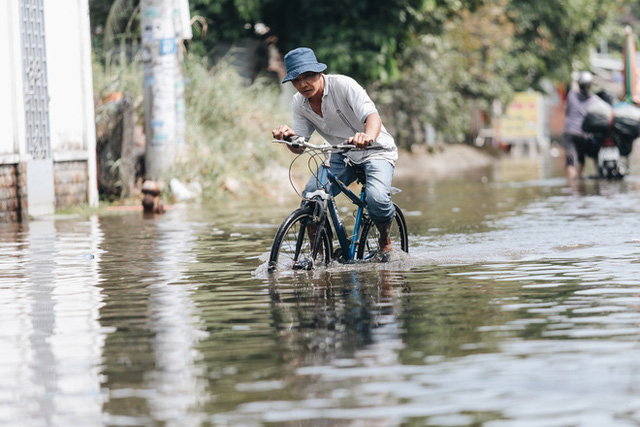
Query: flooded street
[[519, 305]]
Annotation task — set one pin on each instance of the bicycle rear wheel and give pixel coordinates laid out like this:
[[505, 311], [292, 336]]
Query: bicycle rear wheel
[[369, 246], [292, 248]]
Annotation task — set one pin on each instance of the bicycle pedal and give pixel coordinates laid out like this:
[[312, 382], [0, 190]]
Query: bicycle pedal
[[272, 267], [339, 256], [304, 264]]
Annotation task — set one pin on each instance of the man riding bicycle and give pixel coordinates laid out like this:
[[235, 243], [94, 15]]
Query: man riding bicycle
[[340, 110]]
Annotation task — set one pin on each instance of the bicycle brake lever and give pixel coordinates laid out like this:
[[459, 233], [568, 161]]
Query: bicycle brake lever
[[289, 142]]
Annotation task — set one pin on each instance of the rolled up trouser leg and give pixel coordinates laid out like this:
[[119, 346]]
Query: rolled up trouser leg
[[379, 173]]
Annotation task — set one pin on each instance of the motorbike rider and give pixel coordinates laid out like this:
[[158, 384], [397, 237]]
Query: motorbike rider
[[574, 139]]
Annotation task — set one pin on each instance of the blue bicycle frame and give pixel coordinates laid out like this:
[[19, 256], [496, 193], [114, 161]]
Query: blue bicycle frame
[[348, 246]]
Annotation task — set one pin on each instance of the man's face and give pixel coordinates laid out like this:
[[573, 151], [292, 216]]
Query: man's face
[[308, 84], [584, 88]]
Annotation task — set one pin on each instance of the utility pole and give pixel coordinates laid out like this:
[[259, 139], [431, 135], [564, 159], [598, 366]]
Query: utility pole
[[165, 23]]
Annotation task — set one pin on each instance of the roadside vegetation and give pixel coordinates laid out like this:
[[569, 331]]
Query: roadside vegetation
[[229, 127], [426, 63], [228, 134]]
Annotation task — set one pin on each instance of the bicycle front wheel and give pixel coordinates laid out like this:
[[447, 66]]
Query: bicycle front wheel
[[292, 248], [369, 246]]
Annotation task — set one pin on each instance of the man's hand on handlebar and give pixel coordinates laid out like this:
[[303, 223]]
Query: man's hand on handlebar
[[361, 140], [285, 133]]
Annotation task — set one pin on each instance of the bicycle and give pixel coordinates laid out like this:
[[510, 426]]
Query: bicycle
[[306, 237]]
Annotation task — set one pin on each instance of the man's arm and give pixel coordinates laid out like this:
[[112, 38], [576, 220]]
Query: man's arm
[[372, 127]]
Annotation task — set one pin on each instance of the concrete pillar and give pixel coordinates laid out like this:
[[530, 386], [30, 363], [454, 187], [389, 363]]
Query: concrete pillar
[[163, 29]]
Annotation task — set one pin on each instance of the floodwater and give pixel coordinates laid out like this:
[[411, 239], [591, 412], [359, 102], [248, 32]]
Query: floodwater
[[518, 305]]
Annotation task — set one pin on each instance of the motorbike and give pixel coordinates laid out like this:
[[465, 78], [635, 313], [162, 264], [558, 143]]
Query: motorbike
[[609, 164], [612, 131]]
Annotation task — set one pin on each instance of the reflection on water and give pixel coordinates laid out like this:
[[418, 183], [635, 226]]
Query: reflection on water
[[518, 305], [152, 363], [51, 338]]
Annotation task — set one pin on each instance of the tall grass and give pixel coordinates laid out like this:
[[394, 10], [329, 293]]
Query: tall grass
[[228, 124], [229, 129], [114, 75]]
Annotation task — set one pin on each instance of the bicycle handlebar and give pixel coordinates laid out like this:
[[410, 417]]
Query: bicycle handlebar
[[300, 142]]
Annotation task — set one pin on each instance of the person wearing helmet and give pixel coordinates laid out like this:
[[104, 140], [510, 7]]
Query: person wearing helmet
[[573, 138], [585, 80]]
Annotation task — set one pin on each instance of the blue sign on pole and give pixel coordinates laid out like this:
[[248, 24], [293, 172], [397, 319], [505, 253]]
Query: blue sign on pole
[[168, 46]]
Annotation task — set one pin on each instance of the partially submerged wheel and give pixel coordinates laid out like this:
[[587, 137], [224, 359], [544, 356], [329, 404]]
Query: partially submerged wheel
[[292, 249], [369, 247]]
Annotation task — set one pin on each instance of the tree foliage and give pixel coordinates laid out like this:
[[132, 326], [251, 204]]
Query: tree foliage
[[424, 61], [468, 64], [114, 23], [554, 35], [613, 33], [428, 59], [362, 38]]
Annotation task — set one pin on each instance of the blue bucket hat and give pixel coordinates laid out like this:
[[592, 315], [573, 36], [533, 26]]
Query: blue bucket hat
[[300, 61]]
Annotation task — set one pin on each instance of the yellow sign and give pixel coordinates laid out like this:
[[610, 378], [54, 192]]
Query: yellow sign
[[521, 120]]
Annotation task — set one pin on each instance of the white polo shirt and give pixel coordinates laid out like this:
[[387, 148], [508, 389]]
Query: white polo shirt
[[345, 108]]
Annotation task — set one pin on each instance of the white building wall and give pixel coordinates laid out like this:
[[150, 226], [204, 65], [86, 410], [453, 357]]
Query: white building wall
[[70, 83], [11, 97], [6, 122], [64, 73], [70, 95]]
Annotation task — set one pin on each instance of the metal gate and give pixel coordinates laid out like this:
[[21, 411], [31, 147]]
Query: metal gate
[[36, 98]]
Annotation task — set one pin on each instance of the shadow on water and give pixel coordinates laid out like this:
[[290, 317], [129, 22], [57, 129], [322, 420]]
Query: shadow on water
[[518, 305]]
